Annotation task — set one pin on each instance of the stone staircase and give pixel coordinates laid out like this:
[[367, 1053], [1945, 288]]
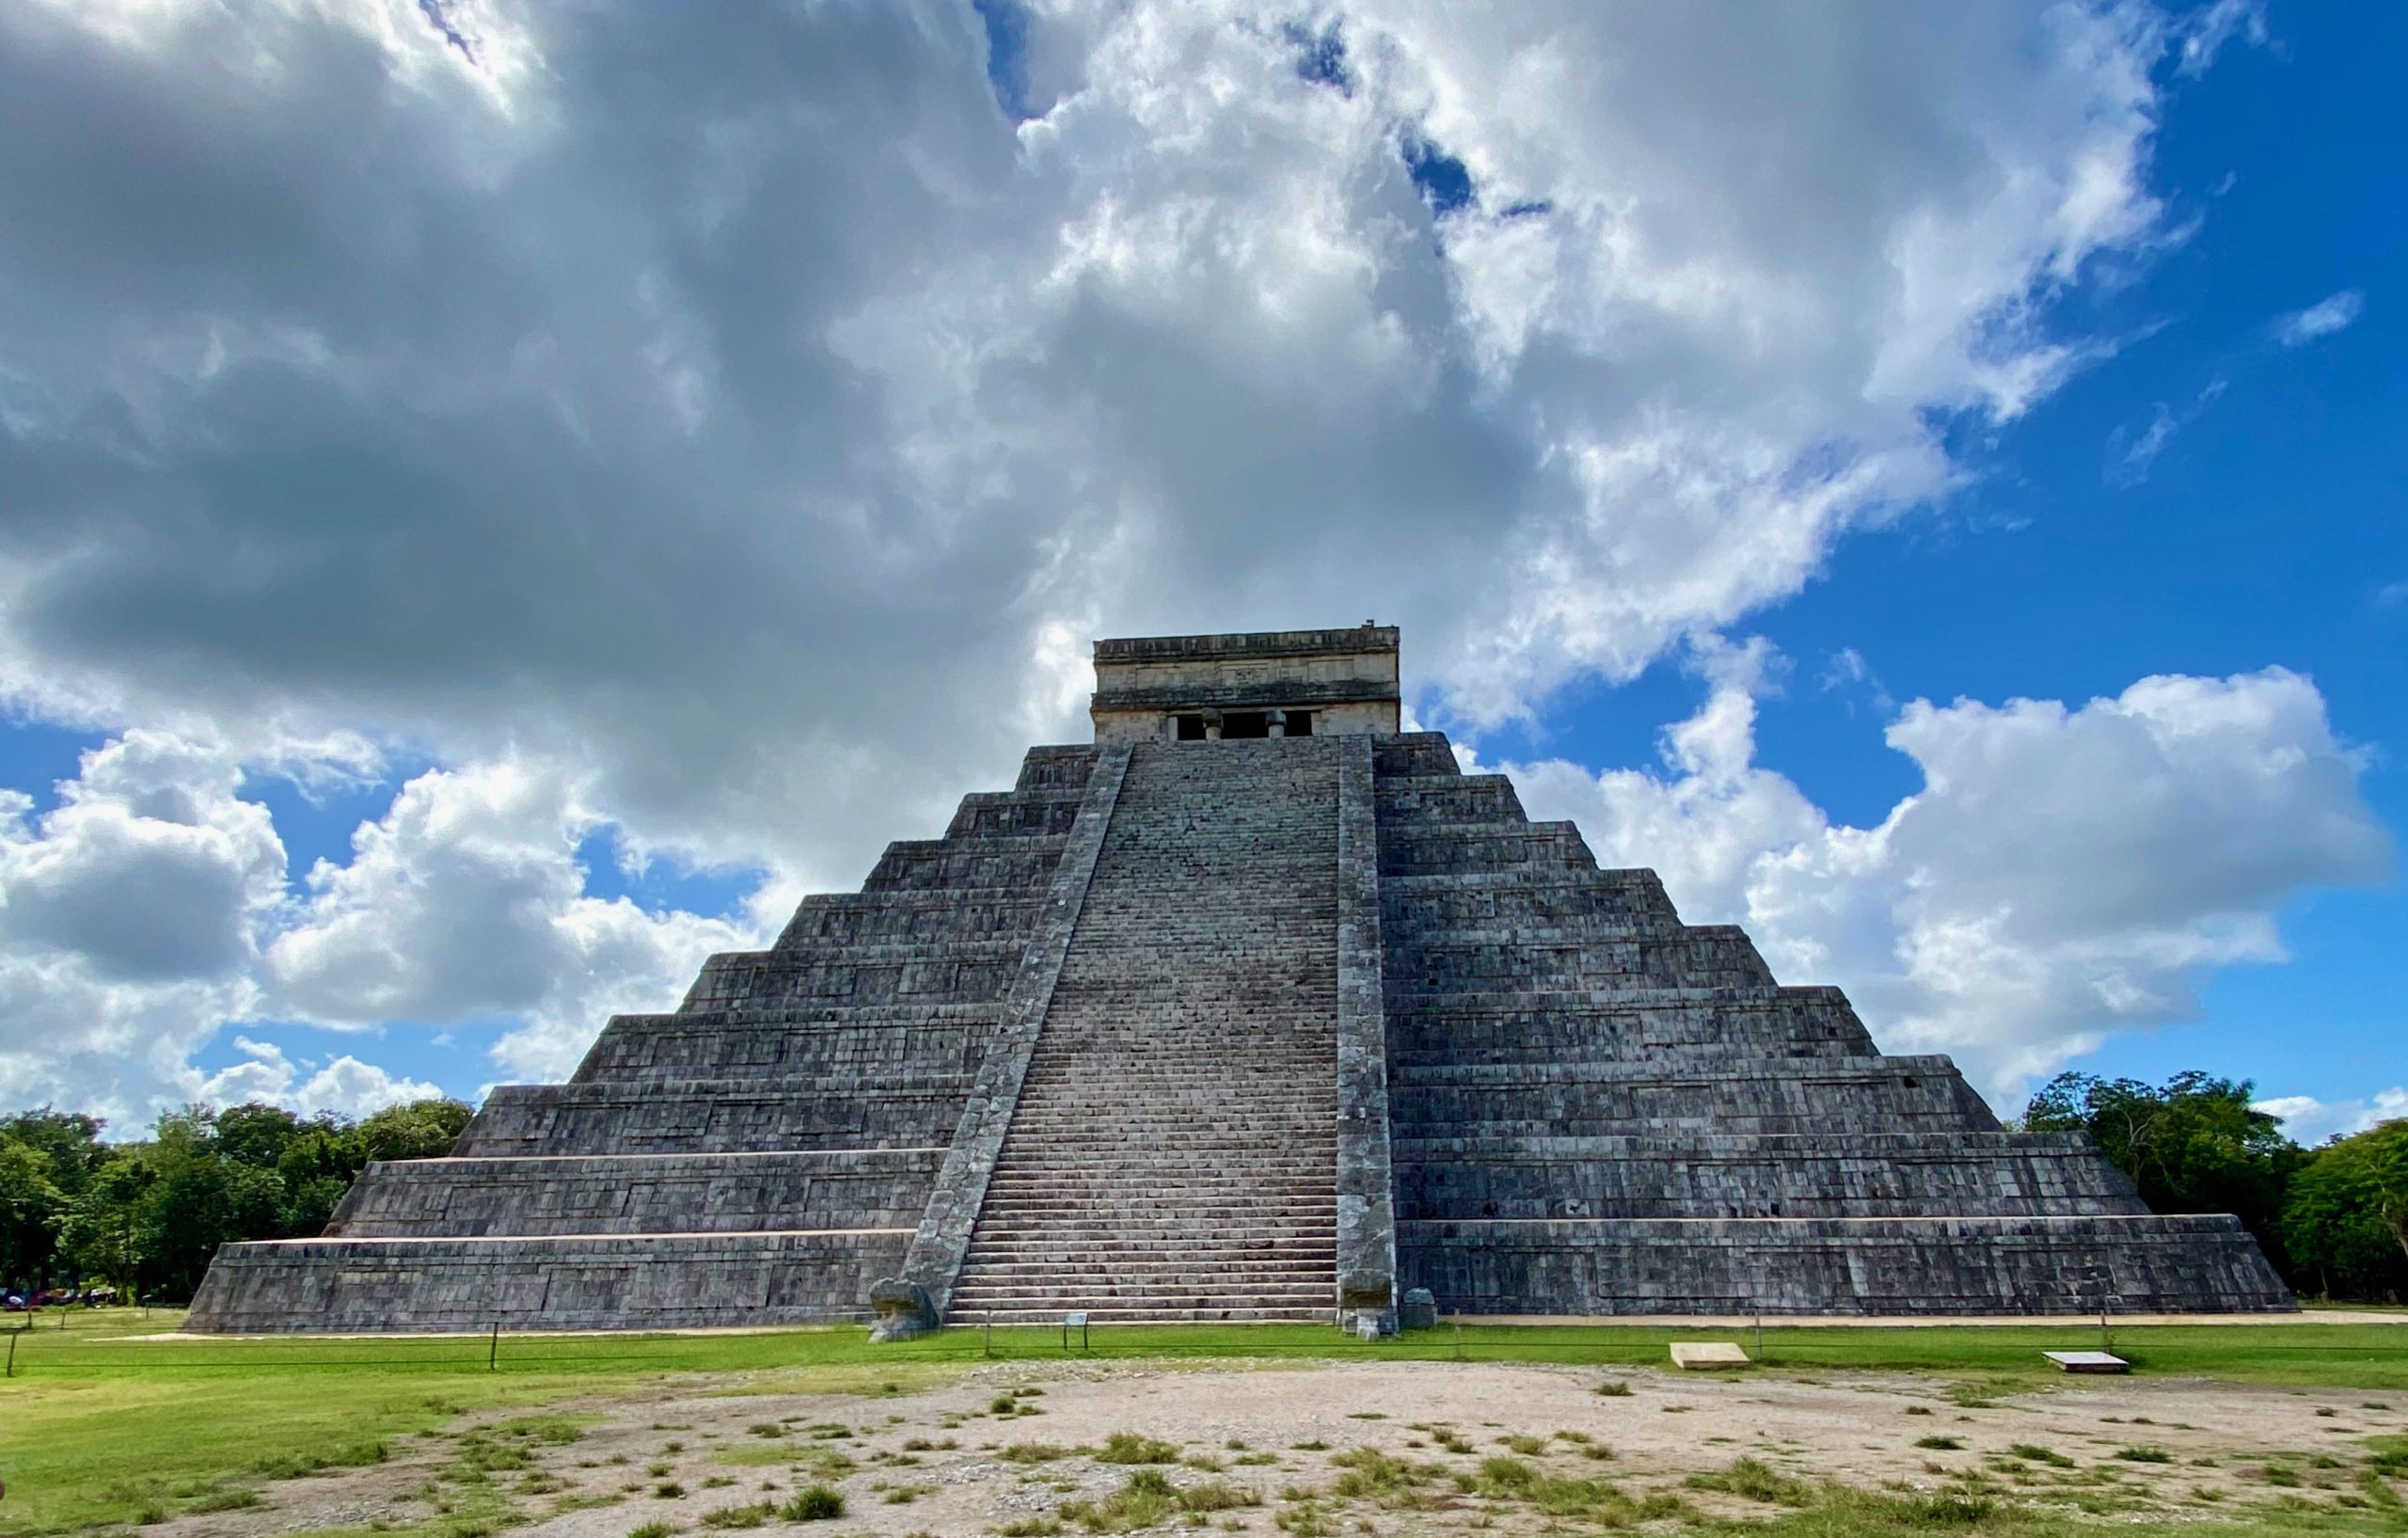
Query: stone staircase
[[1173, 1155]]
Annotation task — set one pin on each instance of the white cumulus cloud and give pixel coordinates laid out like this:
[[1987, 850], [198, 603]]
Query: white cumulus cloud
[[129, 920], [343, 1085], [2065, 872], [466, 899], [681, 398], [724, 422], [2310, 1121]]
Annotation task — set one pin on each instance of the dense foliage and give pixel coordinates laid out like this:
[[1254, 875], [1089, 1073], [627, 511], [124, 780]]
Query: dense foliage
[[146, 1216], [2334, 1220], [2346, 1221]]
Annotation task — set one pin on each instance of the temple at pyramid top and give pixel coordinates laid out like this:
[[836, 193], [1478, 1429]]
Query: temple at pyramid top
[[1273, 682], [1255, 1007]]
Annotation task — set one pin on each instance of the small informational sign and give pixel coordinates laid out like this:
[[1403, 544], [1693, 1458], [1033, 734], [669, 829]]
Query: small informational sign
[[1705, 1355], [2087, 1361]]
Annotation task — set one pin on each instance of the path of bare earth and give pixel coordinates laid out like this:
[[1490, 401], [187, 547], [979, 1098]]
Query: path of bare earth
[[940, 1462]]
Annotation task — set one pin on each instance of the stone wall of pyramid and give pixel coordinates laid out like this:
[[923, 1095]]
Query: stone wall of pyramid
[[1245, 1030], [760, 1155], [1599, 1109]]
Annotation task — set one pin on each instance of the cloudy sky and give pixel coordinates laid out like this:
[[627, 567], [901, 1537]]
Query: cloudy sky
[[497, 500]]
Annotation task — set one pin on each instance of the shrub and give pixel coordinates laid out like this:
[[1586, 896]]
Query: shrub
[[1507, 1474], [1614, 1388], [812, 1503], [1217, 1496], [2145, 1455], [1371, 1474], [1146, 1500], [650, 1530], [1941, 1444], [740, 1516], [1124, 1446], [1754, 1480], [1949, 1508]]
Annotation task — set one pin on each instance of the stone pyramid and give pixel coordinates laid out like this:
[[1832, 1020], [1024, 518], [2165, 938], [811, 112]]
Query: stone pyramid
[[1255, 1008]]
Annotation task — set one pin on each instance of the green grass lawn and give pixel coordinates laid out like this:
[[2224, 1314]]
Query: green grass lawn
[[105, 1429], [107, 1344]]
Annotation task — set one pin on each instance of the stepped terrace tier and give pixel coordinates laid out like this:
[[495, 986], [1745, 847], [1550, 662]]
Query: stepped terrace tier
[[1203, 1025]]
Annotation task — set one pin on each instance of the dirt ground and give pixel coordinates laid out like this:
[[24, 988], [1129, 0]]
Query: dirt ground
[[942, 1462]]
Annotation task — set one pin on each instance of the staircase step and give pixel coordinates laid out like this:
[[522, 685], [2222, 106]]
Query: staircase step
[[1174, 1153]]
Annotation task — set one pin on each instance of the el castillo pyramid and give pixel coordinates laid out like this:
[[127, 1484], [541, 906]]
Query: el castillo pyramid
[[1256, 1008]]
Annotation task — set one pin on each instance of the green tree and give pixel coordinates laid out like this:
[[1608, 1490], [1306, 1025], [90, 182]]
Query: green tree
[[151, 1215], [2193, 1145], [31, 1209], [253, 1133], [71, 1140], [2345, 1220], [108, 1230], [423, 1129]]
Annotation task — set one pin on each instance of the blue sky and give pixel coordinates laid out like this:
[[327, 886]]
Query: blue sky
[[726, 498]]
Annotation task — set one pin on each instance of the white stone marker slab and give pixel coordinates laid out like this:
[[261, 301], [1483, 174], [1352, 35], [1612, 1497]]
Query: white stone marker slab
[[2087, 1361], [1702, 1356]]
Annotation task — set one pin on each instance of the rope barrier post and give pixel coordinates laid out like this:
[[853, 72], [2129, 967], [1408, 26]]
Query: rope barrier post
[[1458, 1340], [12, 1351], [493, 1349], [991, 1337]]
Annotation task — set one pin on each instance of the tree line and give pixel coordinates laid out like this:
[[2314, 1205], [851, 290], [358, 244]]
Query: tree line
[[2333, 1219], [146, 1215]]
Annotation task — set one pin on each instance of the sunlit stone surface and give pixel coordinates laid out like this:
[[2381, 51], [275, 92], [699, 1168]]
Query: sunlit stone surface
[[1256, 1008]]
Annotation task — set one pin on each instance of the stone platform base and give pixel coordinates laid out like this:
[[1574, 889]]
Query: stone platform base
[[1972, 1266], [569, 1283]]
